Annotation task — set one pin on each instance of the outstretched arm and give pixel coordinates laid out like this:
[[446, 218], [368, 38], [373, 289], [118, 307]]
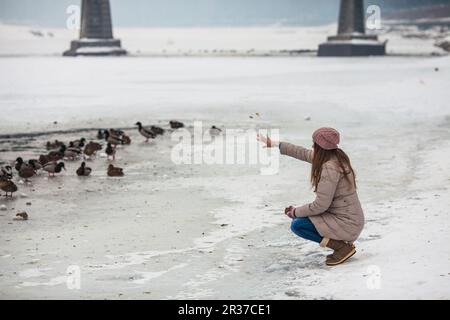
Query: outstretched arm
[[288, 149], [297, 152]]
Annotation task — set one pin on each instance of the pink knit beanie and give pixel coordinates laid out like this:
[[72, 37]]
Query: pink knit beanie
[[326, 138]]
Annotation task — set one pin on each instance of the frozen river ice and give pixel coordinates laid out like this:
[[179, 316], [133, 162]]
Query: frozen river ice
[[198, 231]]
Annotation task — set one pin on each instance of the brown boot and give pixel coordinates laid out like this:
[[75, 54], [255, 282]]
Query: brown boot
[[342, 251], [330, 255]]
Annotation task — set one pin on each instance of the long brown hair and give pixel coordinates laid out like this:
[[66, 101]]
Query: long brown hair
[[321, 156]]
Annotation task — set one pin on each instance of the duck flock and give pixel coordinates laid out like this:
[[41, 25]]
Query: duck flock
[[58, 152]]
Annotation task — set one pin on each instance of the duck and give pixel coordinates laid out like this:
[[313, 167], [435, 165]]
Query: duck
[[6, 173], [114, 140], [79, 143], [43, 159], [83, 171], [214, 131], [94, 145], [71, 153], [88, 151], [35, 164], [53, 167], [26, 171], [54, 156], [8, 186], [53, 145], [115, 171], [21, 216], [91, 148], [74, 148], [100, 134], [116, 132], [120, 134], [145, 132], [19, 163], [126, 139], [110, 151], [157, 130], [176, 124]]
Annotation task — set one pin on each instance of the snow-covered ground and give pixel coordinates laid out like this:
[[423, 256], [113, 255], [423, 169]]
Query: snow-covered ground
[[218, 231]]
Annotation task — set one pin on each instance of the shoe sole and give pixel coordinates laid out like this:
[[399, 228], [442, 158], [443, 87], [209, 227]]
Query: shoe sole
[[351, 253]]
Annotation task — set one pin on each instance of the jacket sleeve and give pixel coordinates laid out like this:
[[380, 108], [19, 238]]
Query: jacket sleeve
[[297, 152], [324, 195]]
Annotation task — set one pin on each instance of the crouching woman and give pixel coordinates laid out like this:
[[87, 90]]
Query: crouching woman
[[335, 218]]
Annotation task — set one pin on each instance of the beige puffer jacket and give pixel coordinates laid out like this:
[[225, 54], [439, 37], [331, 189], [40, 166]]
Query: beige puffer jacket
[[336, 212]]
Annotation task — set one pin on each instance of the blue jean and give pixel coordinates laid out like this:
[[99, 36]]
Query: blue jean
[[303, 227]]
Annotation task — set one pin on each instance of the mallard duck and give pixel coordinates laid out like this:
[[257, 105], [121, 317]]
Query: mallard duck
[[83, 171], [79, 143], [214, 131], [43, 159], [73, 148], [71, 153], [100, 134], [8, 186], [114, 140], [115, 171], [21, 216], [26, 171], [157, 130], [145, 132], [6, 173], [176, 124], [18, 164], [53, 167], [95, 145], [53, 145], [88, 151], [126, 139], [54, 156], [35, 164], [91, 148], [110, 151], [116, 132]]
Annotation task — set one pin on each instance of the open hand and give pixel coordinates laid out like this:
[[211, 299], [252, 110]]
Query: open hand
[[269, 143]]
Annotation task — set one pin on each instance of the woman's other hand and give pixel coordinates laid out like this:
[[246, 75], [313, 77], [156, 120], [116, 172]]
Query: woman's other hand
[[289, 211]]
